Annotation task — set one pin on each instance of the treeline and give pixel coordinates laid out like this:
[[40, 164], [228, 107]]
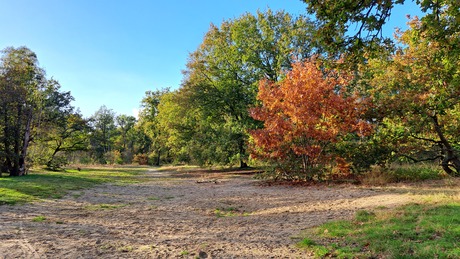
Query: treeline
[[305, 98]]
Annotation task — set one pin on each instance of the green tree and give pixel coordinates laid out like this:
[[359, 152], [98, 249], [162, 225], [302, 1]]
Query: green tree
[[126, 136], [416, 91], [62, 129], [22, 86], [103, 133], [174, 121], [221, 78], [353, 27], [149, 124]]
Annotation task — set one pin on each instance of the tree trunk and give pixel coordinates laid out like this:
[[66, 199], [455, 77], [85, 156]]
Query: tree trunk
[[7, 166], [25, 146], [49, 163], [243, 163], [17, 144], [158, 157], [450, 159]]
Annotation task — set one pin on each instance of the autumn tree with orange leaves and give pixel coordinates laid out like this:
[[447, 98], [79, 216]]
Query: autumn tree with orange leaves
[[304, 115]]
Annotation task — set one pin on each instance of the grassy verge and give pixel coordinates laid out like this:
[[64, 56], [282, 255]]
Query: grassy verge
[[403, 173], [44, 184], [426, 230]]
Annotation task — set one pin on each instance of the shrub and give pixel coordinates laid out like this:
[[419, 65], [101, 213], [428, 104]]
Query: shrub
[[141, 159]]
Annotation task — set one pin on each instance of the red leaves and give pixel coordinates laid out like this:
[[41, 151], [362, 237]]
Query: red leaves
[[308, 110]]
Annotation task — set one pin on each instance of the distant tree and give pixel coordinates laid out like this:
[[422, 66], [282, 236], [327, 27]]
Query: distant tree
[[103, 133], [125, 123], [171, 120], [304, 115], [22, 86], [148, 122], [126, 136], [61, 130]]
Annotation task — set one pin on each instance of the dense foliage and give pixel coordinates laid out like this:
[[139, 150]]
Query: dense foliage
[[211, 122], [304, 115], [32, 110], [416, 90]]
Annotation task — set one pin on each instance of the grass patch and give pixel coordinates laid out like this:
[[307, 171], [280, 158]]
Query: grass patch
[[419, 172], [44, 184], [403, 173], [226, 212], [39, 219], [415, 230], [313, 247]]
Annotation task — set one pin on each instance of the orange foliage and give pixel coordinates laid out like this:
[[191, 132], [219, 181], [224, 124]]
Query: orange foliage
[[304, 113]]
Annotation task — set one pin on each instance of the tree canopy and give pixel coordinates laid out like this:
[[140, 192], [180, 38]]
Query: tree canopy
[[353, 27], [417, 89], [220, 82], [304, 115]]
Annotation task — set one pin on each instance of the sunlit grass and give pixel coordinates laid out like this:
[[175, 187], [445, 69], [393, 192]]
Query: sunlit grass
[[39, 219], [421, 230], [403, 173], [42, 184]]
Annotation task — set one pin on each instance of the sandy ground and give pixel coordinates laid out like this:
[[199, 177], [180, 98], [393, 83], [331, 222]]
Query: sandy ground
[[182, 216]]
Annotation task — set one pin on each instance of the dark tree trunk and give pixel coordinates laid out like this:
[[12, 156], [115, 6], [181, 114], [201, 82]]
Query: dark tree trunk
[[158, 157], [17, 144], [7, 166], [243, 163], [450, 158], [25, 145], [49, 163]]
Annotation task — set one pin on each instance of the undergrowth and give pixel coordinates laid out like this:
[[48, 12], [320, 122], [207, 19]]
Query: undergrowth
[[402, 173]]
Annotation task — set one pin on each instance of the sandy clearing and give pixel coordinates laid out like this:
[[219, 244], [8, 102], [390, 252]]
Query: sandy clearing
[[174, 216]]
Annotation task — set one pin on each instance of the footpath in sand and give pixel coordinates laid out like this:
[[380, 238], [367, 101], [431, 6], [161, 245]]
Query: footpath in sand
[[181, 215]]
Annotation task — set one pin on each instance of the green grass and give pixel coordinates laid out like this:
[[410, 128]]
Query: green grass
[[226, 212], [419, 172], [39, 219], [403, 173], [153, 198], [411, 231], [45, 185]]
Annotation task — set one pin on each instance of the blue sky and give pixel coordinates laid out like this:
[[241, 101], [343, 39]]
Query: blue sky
[[109, 52]]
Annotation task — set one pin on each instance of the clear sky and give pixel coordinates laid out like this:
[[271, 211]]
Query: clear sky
[[109, 52]]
